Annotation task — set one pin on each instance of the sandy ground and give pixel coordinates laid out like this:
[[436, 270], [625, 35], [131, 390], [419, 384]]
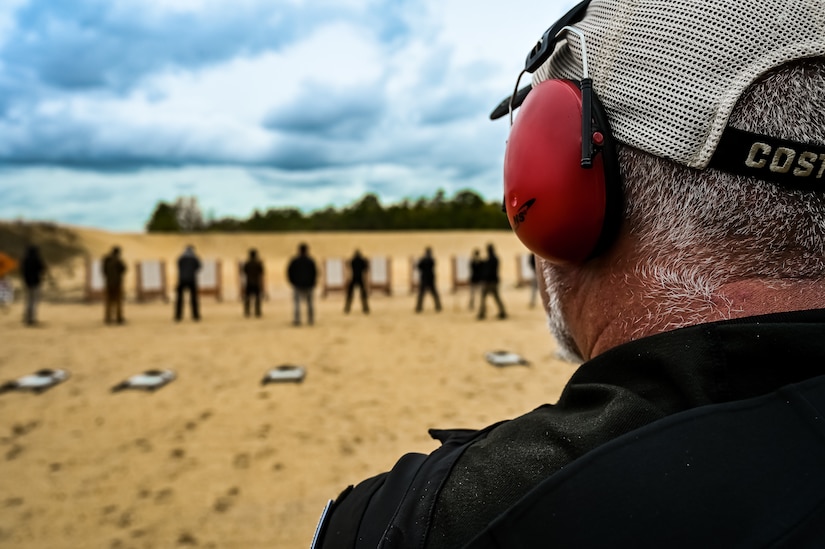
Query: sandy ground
[[215, 459]]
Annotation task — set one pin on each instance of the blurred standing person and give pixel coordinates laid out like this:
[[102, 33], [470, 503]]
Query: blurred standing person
[[188, 266], [7, 265], [490, 280], [358, 265], [476, 276], [253, 271], [6, 292], [33, 268], [534, 284], [426, 280], [113, 270], [302, 275]]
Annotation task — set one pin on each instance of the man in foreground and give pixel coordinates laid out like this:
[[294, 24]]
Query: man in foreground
[[684, 267]]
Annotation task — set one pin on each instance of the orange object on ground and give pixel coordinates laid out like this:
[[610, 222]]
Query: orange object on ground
[[7, 264]]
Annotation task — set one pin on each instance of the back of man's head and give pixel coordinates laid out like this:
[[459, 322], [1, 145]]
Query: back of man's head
[[697, 230], [717, 111]]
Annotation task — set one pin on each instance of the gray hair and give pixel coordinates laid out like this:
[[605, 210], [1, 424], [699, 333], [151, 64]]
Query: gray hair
[[701, 229]]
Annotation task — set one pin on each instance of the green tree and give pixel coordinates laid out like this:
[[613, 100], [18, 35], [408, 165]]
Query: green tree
[[466, 210], [189, 214], [284, 219], [366, 214], [164, 219]]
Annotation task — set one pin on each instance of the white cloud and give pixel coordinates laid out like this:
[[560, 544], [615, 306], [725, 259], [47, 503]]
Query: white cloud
[[353, 97]]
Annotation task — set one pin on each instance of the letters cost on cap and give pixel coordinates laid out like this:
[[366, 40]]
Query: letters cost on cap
[[781, 160]]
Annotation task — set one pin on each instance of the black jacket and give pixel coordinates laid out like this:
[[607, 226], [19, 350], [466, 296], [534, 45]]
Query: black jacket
[[426, 271], [448, 498], [476, 270], [358, 265], [747, 473], [32, 268], [302, 273], [188, 267], [113, 270], [253, 271], [489, 271]]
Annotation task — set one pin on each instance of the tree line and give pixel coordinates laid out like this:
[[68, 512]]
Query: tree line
[[465, 210]]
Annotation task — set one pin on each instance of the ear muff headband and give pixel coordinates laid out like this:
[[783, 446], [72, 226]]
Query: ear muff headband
[[559, 210]]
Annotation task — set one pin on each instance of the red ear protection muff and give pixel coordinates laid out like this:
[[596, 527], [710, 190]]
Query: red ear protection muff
[[560, 210], [562, 187]]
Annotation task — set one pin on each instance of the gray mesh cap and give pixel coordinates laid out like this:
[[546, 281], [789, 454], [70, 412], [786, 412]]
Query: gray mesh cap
[[669, 72]]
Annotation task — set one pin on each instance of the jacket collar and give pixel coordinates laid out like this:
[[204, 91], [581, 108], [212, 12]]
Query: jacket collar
[[715, 362]]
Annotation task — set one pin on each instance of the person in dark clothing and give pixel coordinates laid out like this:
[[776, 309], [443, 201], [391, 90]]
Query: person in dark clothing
[[694, 301], [302, 274], [534, 284], [426, 280], [113, 270], [476, 276], [490, 282], [33, 268], [253, 270], [188, 266], [358, 267]]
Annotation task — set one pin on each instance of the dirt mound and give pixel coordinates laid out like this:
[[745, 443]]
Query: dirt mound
[[59, 246]]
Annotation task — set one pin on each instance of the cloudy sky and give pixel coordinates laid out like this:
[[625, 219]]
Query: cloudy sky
[[108, 106]]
